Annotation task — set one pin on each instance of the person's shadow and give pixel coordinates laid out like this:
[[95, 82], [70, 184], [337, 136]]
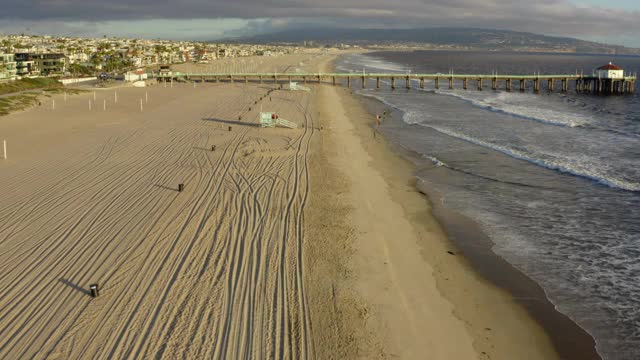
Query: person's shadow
[[75, 286]]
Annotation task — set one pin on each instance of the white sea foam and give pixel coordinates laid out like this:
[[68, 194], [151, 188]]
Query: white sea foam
[[580, 166], [587, 236], [373, 63], [504, 102], [434, 160], [379, 98]]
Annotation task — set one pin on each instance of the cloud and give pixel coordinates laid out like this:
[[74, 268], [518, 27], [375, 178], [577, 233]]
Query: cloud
[[556, 17]]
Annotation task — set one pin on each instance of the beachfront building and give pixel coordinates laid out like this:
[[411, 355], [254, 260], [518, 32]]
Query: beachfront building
[[25, 65], [137, 75], [50, 63], [31, 64], [7, 67], [609, 71]]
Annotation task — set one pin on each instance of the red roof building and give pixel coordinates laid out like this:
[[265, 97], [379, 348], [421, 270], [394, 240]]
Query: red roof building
[[609, 66], [609, 71]]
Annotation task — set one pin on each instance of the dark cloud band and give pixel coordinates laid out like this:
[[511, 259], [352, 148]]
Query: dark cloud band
[[558, 17]]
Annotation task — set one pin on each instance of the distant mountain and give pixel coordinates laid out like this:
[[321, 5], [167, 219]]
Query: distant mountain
[[481, 39]]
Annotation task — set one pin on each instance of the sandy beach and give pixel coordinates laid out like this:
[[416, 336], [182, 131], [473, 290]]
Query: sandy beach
[[307, 243]]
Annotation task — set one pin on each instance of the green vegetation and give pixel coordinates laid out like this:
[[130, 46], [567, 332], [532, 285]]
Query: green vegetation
[[116, 64], [28, 99], [79, 70], [28, 84], [16, 103]]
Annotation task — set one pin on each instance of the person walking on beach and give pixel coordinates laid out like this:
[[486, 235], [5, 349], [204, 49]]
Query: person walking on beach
[[378, 122]]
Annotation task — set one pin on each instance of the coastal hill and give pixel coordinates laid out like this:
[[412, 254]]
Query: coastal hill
[[454, 38]]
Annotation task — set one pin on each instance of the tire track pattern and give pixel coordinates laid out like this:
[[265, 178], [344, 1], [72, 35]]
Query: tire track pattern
[[213, 272]]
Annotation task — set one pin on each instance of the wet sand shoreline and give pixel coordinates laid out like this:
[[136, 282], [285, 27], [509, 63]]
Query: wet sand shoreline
[[288, 243], [569, 339]]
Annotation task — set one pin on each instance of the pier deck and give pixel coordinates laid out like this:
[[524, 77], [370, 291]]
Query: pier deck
[[581, 83]]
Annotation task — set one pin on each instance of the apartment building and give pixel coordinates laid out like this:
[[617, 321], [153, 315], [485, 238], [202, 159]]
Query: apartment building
[[50, 63], [7, 67], [40, 63], [25, 65]]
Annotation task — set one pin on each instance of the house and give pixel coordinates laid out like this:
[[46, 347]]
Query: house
[[77, 57], [25, 65], [137, 75], [609, 71], [41, 63], [7, 67]]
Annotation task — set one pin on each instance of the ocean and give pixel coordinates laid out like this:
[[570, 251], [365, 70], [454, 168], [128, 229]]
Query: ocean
[[553, 179]]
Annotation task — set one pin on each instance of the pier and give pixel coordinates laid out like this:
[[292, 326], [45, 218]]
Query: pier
[[536, 83]]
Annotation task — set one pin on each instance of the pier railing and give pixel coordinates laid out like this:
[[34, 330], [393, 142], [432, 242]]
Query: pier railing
[[581, 83]]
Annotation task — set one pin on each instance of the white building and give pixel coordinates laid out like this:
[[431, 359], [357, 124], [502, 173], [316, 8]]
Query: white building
[[609, 71], [7, 67], [78, 57], [133, 76]]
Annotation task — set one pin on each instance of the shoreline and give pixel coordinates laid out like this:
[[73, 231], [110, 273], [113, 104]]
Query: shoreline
[[305, 243], [407, 233], [570, 340]]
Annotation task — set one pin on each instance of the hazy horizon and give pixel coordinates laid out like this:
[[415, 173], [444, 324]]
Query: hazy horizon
[[194, 20]]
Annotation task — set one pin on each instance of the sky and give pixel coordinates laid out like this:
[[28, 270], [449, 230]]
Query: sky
[[611, 21]]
